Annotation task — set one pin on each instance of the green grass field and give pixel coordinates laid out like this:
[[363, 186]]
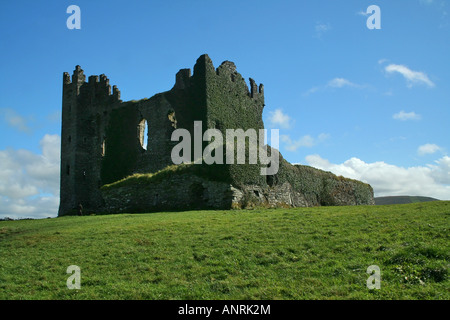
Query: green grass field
[[302, 253]]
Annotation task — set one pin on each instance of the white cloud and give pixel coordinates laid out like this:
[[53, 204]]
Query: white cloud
[[336, 83], [412, 77], [441, 171], [321, 28], [278, 119], [404, 116], [312, 90], [340, 83], [428, 148], [29, 182], [15, 120], [390, 180], [305, 141]]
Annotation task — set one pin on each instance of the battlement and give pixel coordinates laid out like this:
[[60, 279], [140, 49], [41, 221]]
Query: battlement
[[255, 91], [227, 73], [66, 78], [97, 87], [116, 93], [104, 79], [93, 79], [78, 76]]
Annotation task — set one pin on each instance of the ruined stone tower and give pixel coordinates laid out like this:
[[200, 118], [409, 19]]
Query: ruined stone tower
[[102, 141]]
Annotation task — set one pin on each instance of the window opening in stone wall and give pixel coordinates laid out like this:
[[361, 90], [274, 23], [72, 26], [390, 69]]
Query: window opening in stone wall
[[68, 169], [103, 147], [172, 118], [143, 134]]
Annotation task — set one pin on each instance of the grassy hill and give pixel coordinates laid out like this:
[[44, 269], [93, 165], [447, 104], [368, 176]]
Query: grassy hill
[[301, 253], [402, 200]]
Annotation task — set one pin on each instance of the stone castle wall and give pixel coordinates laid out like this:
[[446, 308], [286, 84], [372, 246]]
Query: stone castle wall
[[102, 141]]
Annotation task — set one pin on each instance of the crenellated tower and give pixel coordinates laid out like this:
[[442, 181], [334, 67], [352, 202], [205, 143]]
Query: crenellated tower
[[85, 106]]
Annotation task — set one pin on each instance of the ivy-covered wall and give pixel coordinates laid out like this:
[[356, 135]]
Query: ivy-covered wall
[[321, 187], [231, 104], [102, 142]]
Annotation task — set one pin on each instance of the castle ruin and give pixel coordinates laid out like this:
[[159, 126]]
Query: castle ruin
[[102, 142]]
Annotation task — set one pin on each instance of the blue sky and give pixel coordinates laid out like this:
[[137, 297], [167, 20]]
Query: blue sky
[[367, 104]]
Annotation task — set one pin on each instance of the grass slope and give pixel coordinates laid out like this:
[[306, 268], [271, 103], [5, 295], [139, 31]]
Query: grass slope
[[402, 200], [301, 253]]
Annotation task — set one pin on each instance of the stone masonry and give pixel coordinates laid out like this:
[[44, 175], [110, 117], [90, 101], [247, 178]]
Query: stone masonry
[[102, 141]]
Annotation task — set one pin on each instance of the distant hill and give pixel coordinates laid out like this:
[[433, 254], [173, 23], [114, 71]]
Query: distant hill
[[402, 200]]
